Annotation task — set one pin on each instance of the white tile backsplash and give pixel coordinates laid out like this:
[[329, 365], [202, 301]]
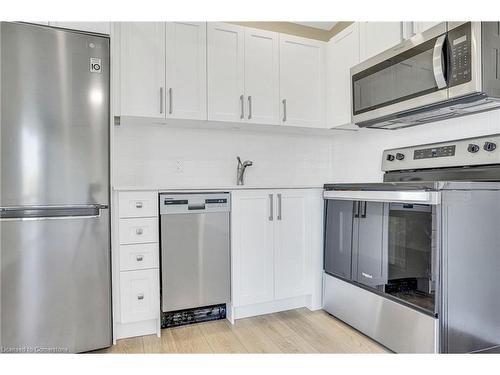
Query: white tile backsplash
[[147, 154]]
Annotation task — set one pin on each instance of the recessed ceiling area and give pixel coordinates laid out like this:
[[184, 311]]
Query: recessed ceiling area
[[318, 25]]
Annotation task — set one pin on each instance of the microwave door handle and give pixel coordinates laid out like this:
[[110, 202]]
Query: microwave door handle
[[437, 62]]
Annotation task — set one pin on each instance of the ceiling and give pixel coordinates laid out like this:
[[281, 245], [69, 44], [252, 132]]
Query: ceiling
[[318, 25]]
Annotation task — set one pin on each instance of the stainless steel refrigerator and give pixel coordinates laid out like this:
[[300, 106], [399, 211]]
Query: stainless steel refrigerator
[[54, 198]]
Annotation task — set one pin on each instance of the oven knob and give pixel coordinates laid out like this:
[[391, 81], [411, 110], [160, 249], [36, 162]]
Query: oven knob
[[400, 156], [490, 146], [473, 148], [390, 157]]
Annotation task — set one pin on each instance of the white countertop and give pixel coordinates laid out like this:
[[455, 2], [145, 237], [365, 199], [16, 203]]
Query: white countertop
[[204, 188]]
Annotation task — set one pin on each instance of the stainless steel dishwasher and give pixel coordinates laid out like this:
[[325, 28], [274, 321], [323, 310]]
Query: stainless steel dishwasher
[[195, 256]]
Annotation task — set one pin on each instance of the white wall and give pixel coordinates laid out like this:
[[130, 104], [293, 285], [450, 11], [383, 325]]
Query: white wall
[[147, 154], [357, 156]]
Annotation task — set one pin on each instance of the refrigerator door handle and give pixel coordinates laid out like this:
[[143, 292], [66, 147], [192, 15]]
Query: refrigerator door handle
[[51, 212]]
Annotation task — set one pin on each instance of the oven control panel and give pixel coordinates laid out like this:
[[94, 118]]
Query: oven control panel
[[462, 152]]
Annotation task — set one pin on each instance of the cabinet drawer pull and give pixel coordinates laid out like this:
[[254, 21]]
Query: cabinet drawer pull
[[279, 207], [139, 258], [170, 101], [138, 204], [271, 213], [242, 114], [249, 107], [139, 231], [284, 110], [140, 297], [161, 100], [367, 275]]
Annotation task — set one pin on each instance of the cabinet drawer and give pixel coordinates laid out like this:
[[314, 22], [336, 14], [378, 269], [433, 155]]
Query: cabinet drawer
[[138, 204], [139, 295], [138, 257], [141, 230]]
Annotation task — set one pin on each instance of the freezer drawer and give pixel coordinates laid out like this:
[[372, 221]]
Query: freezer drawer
[[195, 260], [56, 283]]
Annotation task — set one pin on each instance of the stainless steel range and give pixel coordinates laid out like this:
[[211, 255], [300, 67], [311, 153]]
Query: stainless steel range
[[414, 262]]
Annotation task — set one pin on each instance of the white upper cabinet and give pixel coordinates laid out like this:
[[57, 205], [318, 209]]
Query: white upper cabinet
[[261, 76], [186, 79], [342, 54], [225, 72], [376, 37], [142, 69], [420, 26], [290, 249], [94, 27], [302, 81]]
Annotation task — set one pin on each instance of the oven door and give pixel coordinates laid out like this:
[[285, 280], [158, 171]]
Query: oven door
[[386, 242], [410, 75]]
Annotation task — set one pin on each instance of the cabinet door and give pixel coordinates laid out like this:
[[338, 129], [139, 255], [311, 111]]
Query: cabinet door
[[186, 88], [262, 76], [142, 64], [371, 244], [338, 237], [290, 251], [376, 37], [225, 51], [342, 54], [139, 295], [252, 223], [94, 27], [302, 82], [421, 26]]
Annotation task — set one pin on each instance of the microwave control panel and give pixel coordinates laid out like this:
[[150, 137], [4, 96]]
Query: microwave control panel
[[459, 40]]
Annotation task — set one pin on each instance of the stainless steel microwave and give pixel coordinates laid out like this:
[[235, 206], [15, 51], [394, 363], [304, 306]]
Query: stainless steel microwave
[[447, 71]]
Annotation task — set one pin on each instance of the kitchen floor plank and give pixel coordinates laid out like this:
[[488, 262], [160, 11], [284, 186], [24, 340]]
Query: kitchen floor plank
[[294, 331]]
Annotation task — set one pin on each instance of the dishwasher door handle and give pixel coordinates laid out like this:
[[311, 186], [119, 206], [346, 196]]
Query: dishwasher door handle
[[193, 207]]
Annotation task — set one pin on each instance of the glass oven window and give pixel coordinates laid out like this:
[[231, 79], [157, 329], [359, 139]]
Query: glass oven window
[[402, 77], [410, 255]]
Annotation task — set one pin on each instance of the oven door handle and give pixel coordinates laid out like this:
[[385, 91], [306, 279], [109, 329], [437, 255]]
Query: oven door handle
[[437, 62], [411, 196]]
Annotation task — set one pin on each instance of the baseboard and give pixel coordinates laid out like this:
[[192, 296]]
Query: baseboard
[[143, 328], [240, 312]]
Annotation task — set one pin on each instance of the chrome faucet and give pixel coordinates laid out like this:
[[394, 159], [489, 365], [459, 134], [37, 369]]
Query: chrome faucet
[[241, 169]]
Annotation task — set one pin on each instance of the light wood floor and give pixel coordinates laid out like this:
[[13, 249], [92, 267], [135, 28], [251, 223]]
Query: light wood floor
[[294, 331]]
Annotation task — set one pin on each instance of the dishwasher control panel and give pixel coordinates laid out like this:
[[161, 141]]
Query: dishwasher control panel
[[184, 203]]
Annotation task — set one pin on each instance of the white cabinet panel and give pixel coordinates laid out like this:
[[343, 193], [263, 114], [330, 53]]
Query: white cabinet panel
[[252, 247], [186, 74], [225, 51], [302, 81], [342, 54], [290, 249], [139, 257], [94, 27], [141, 230], [376, 37], [138, 203], [262, 76], [421, 26], [139, 295], [142, 69]]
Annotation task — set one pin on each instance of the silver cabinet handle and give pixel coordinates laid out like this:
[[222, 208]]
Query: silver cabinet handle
[[139, 231], [242, 115], [161, 99], [367, 275], [138, 204], [139, 258], [284, 109], [437, 62], [170, 100], [140, 296], [271, 213], [279, 207], [363, 209], [356, 209], [249, 107]]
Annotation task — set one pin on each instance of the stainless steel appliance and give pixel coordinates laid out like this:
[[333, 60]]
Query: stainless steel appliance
[[195, 250], [413, 262], [54, 215], [447, 71]]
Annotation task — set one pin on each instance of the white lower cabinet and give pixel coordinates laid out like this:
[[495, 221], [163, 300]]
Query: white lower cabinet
[[136, 273], [276, 250], [139, 295]]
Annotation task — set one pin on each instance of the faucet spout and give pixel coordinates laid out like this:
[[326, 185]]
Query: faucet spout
[[240, 170]]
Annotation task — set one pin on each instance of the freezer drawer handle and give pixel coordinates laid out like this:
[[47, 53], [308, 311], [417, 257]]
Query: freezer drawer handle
[[139, 258], [139, 231], [140, 297], [51, 212], [138, 204], [367, 275]]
